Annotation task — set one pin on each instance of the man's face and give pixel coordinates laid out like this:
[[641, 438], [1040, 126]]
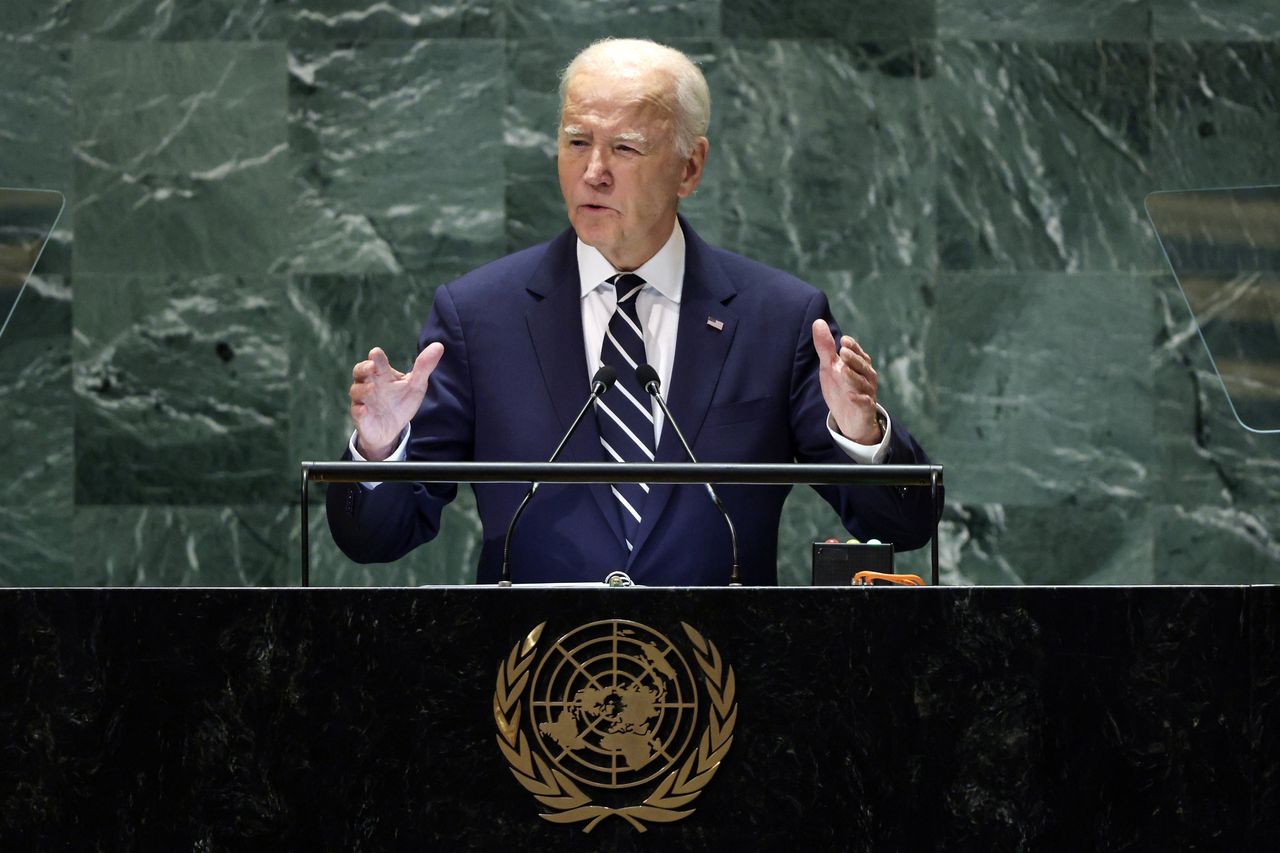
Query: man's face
[[619, 170]]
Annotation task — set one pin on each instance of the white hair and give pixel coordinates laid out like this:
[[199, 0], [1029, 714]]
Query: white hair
[[692, 99]]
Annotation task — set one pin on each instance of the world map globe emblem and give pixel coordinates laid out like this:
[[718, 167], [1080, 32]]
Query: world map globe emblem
[[613, 704]]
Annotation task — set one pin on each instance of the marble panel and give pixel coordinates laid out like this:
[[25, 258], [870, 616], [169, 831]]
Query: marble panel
[[35, 544], [1045, 20], [35, 350], [534, 204], [1044, 157], [397, 156], [891, 314], [705, 208], [180, 390], [586, 20], [1044, 387], [35, 397], [296, 20], [35, 147], [334, 322], [56, 259], [849, 21], [1204, 457], [1098, 542], [829, 163], [35, 21], [337, 20], [177, 20], [1206, 20], [1216, 115], [239, 545], [179, 157], [35, 105], [1217, 544]]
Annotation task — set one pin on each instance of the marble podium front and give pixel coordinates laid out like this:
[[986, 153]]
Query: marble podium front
[[1036, 718]]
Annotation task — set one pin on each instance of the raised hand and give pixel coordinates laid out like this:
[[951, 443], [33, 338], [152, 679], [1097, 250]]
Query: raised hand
[[384, 400], [849, 385]]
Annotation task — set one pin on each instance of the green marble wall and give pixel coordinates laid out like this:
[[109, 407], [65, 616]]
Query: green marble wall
[[258, 191]]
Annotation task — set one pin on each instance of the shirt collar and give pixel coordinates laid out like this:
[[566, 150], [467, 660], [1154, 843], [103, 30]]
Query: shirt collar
[[664, 271]]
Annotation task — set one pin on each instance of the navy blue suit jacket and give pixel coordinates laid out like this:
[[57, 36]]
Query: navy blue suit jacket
[[514, 374]]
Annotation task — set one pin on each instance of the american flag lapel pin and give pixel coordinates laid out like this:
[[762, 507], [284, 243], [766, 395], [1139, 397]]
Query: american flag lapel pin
[[718, 325]]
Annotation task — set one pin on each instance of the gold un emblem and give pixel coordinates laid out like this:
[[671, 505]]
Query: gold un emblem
[[615, 712]]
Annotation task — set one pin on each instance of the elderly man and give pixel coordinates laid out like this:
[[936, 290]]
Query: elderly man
[[754, 369]]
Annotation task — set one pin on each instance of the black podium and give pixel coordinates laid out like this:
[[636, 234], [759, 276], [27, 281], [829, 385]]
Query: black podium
[[844, 719]]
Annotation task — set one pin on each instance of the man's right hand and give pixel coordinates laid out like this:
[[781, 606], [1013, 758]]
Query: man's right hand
[[384, 400]]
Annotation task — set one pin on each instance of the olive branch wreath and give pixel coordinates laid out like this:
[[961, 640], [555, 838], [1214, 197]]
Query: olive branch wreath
[[555, 790]]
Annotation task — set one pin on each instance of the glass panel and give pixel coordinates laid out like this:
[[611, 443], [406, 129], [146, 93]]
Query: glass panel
[[26, 219], [1223, 246]]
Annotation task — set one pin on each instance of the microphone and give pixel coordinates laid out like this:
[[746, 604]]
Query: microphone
[[648, 379], [600, 383]]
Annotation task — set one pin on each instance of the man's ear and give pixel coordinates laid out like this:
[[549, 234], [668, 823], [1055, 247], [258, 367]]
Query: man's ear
[[693, 166]]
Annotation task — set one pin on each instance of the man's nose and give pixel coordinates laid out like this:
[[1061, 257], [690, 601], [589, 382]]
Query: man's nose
[[597, 173]]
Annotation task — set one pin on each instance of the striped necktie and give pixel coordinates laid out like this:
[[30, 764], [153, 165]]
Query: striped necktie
[[623, 414]]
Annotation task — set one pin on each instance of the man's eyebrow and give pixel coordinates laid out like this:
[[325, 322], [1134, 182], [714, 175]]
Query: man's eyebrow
[[633, 137]]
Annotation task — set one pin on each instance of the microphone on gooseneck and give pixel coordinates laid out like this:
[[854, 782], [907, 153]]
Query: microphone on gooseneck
[[648, 379], [600, 383]]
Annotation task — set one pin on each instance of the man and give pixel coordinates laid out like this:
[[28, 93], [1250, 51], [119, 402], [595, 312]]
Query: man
[[745, 354]]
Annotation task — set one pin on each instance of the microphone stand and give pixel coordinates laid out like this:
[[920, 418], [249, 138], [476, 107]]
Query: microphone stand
[[600, 383], [648, 378]]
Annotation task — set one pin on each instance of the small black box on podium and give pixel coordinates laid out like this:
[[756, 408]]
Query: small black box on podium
[[835, 563]]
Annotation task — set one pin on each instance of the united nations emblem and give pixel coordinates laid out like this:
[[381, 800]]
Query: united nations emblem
[[604, 722]]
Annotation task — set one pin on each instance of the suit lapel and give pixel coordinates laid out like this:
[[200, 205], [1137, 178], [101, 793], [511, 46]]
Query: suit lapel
[[701, 350], [555, 326]]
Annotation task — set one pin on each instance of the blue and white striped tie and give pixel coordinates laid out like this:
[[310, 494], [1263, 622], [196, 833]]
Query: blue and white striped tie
[[623, 414]]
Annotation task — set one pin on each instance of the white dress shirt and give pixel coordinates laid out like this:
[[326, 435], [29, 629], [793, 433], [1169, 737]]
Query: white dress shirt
[[658, 306]]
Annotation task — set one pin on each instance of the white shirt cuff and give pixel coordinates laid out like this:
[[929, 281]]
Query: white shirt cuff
[[866, 454], [400, 454]]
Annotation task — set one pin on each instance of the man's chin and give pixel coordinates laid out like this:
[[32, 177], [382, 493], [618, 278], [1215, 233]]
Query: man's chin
[[595, 236]]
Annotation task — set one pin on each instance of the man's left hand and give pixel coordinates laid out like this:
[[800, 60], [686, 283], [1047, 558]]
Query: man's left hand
[[848, 385]]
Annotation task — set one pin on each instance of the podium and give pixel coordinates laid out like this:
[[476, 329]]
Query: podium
[[1135, 718]]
